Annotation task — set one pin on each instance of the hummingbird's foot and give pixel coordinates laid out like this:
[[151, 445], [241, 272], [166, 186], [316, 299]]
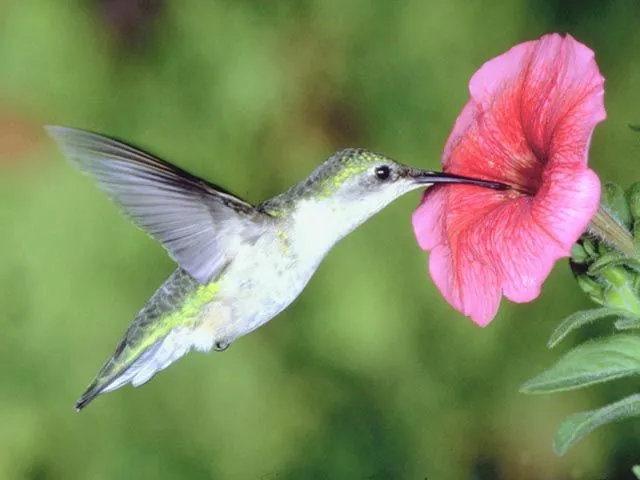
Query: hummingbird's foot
[[221, 346]]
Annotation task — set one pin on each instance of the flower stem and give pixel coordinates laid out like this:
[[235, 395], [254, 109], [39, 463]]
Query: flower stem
[[606, 227]]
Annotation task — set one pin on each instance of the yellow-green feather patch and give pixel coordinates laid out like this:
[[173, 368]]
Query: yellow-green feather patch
[[334, 182], [186, 316]]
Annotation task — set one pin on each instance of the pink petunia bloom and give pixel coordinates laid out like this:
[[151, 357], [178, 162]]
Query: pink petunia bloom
[[528, 123]]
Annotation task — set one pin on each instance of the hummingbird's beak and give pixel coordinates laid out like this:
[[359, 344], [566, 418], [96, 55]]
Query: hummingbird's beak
[[425, 177]]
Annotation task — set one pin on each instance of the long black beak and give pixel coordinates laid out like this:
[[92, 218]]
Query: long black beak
[[424, 177]]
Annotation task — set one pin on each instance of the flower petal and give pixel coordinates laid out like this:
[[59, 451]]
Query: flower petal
[[566, 202], [463, 275], [463, 122], [562, 99], [490, 80], [428, 218], [471, 289], [487, 137], [494, 146]]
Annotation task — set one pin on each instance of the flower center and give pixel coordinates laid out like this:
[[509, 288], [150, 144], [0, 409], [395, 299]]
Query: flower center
[[525, 174]]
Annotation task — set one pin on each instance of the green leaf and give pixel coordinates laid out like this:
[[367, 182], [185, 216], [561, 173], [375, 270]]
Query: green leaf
[[627, 323], [636, 471], [634, 127], [613, 259], [578, 425], [579, 254], [579, 319], [592, 287], [593, 362], [589, 247]]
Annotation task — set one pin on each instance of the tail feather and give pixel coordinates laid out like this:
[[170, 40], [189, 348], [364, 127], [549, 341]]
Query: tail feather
[[166, 328], [91, 393], [120, 370], [111, 378]]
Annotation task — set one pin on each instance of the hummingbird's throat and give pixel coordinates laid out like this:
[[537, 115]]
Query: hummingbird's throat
[[319, 224]]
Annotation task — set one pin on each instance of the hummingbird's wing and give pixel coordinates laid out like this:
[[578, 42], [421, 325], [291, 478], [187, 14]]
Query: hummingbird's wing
[[201, 225]]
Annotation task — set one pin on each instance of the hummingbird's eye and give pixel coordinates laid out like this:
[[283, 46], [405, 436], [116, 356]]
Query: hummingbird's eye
[[383, 172]]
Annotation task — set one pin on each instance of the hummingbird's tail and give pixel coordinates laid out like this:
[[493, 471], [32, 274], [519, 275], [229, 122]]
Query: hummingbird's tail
[[115, 375], [111, 377], [122, 369], [167, 328]]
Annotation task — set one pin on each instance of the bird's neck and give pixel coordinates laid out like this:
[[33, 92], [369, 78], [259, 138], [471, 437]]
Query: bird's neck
[[317, 225]]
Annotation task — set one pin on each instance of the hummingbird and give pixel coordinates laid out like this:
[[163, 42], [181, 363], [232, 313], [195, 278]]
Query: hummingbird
[[238, 265]]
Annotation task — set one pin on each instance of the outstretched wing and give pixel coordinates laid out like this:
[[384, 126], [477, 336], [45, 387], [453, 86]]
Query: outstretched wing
[[201, 225]]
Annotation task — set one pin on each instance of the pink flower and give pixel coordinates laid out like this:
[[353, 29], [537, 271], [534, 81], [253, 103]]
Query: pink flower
[[528, 123]]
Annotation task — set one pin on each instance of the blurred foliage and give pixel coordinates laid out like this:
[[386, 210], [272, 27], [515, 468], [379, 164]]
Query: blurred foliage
[[370, 374]]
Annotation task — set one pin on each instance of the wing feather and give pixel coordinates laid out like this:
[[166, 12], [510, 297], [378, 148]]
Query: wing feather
[[201, 225]]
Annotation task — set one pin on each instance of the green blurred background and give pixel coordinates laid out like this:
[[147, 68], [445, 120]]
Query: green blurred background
[[370, 374]]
